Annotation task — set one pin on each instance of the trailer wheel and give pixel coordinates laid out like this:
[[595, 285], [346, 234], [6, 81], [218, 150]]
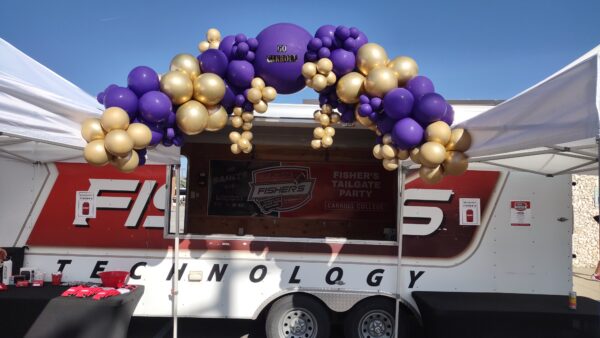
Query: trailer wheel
[[297, 316], [374, 318]]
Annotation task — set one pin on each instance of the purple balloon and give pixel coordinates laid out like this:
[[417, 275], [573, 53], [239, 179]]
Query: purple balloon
[[240, 73], [347, 117], [100, 97], [376, 103], [326, 31], [363, 98], [349, 44], [155, 107], [157, 136], [170, 133], [386, 124], [240, 38], [360, 40], [239, 100], [171, 120], [315, 44], [280, 67], [342, 32], [449, 115], [430, 108], [252, 43], [143, 79], [365, 110], [398, 103], [142, 155], [327, 41], [178, 140], [419, 86], [228, 100], [354, 32], [213, 61], [407, 133], [242, 49], [226, 45], [123, 98], [251, 56], [166, 142], [248, 106], [374, 116], [311, 56], [324, 52], [343, 62]]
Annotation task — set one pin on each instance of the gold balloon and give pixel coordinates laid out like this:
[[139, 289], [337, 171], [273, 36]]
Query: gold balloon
[[456, 163], [319, 82], [324, 66], [402, 154], [257, 82], [248, 135], [388, 152], [118, 143], [380, 81], [248, 150], [324, 120], [330, 131], [349, 87], [387, 139], [247, 126], [178, 86], [432, 154], [326, 109], [331, 78], [438, 132], [217, 118], [91, 129], [213, 35], [237, 111], [203, 46], [209, 89], [260, 107], [335, 118], [186, 63], [95, 153], [243, 143], [114, 118], [127, 164], [365, 121], [235, 148], [460, 140], [234, 137], [309, 70], [319, 132], [405, 68], [237, 121], [415, 155], [390, 164], [247, 117], [192, 117], [326, 141], [431, 175], [213, 45], [254, 95], [370, 56], [315, 144], [140, 134], [269, 94]]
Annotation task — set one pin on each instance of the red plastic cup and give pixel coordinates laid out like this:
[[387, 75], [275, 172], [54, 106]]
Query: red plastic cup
[[56, 278]]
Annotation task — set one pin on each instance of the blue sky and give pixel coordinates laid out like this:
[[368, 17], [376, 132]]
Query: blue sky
[[470, 49]]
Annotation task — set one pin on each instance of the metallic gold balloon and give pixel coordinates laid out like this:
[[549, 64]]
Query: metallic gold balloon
[[365, 121], [405, 68], [324, 66], [431, 175], [371, 56], [319, 82], [331, 78], [114, 118], [127, 164], [335, 118], [237, 111], [95, 153], [269, 94], [217, 118], [456, 163], [330, 131], [237, 121], [247, 117], [350, 86], [140, 134], [235, 149], [209, 89], [213, 35], [213, 45], [460, 140], [243, 143], [377, 152], [260, 107], [247, 150], [388, 152], [326, 109], [380, 81], [387, 139], [402, 154], [326, 141], [192, 117], [415, 155], [118, 143], [203, 46], [91, 129], [432, 154], [390, 164], [315, 144], [257, 82], [254, 95], [309, 69], [319, 132], [186, 63], [178, 86], [317, 115], [248, 135], [438, 132], [247, 126], [324, 120], [234, 137]]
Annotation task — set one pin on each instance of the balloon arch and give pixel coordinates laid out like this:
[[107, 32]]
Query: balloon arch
[[236, 76]]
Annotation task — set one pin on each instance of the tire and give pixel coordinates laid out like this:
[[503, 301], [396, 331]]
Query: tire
[[297, 316], [374, 318]]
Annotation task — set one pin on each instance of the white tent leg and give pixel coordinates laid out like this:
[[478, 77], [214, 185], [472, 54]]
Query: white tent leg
[[175, 279], [399, 220], [598, 199]]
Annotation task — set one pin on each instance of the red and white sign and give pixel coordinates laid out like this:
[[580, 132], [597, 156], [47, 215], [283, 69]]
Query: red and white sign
[[520, 213]]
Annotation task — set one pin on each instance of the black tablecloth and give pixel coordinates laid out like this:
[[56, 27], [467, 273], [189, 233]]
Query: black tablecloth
[[462, 314], [41, 312]]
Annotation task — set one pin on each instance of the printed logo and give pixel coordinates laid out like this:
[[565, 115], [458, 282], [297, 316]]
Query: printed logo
[[277, 189]]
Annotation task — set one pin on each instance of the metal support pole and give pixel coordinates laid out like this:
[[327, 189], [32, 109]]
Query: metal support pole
[[399, 226], [175, 279], [598, 199]]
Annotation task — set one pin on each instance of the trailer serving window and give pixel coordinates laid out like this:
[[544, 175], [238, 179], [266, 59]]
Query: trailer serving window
[[286, 189]]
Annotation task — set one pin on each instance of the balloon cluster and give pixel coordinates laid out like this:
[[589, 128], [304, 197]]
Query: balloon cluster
[[241, 142], [319, 75], [323, 136], [113, 139]]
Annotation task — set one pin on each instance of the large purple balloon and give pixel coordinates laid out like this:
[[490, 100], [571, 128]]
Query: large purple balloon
[[419, 86], [226, 46], [240, 73], [407, 133], [326, 31], [430, 108], [213, 61], [398, 103], [155, 107], [280, 56], [343, 62], [123, 98], [142, 79]]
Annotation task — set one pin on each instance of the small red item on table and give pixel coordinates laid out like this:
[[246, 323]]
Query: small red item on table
[[114, 279], [3, 287], [22, 284]]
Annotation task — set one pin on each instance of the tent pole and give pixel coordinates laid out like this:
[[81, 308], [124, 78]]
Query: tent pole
[[399, 221], [598, 199], [176, 252]]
